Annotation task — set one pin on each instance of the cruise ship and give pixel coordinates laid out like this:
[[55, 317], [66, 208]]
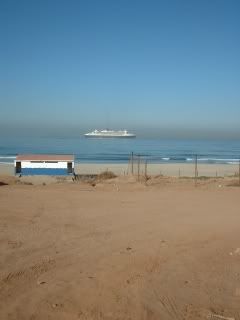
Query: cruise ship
[[109, 134]]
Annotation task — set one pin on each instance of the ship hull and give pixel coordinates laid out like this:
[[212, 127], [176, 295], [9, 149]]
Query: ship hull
[[123, 134], [109, 137]]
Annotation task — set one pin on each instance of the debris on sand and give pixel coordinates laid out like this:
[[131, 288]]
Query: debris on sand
[[235, 252], [3, 184], [219, 317]]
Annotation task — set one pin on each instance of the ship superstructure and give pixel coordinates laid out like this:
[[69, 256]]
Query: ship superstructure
[[109, 134]]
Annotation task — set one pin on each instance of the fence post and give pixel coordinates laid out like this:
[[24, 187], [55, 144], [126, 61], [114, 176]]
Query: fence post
[[138, 166], [196, 169], [146, 169], [239, 171], [132, 163]]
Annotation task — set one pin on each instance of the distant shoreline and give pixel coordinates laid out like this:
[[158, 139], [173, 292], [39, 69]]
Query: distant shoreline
[[169, 169]]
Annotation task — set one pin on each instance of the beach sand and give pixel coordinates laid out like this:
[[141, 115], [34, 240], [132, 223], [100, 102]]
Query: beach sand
[[120, 249], [173, 169], [6, 169]]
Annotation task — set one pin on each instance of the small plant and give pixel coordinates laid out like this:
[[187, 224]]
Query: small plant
[[106, 175], [185, 177], [146, 177], [204, 178], [235, 175], [26, 183]]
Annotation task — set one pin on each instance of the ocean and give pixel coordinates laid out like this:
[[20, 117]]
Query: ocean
[[119, 150]]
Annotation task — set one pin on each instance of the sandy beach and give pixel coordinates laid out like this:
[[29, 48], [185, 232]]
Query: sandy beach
[[120, 160], [174, 170], [120, 249]]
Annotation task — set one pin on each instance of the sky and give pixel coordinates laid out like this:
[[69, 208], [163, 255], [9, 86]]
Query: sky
[[165, 68]]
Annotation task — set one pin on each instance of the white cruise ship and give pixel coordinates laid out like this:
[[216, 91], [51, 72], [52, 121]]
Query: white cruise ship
[[109, 134]]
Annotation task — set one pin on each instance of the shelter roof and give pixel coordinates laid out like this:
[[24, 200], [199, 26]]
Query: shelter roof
[[45, 157]]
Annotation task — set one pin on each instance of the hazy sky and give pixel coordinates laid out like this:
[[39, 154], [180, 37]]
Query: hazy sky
[[155, 67]]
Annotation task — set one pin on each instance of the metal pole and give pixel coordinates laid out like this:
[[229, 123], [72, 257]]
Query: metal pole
[[138, 166], [239, 171], [146, 169], [196, 170], [132, 163]]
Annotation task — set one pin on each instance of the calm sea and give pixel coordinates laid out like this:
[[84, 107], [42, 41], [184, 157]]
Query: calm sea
[[119, 150]]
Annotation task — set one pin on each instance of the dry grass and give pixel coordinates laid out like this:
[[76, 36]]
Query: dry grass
[[26, 183], [105, 175], [235, 175]]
